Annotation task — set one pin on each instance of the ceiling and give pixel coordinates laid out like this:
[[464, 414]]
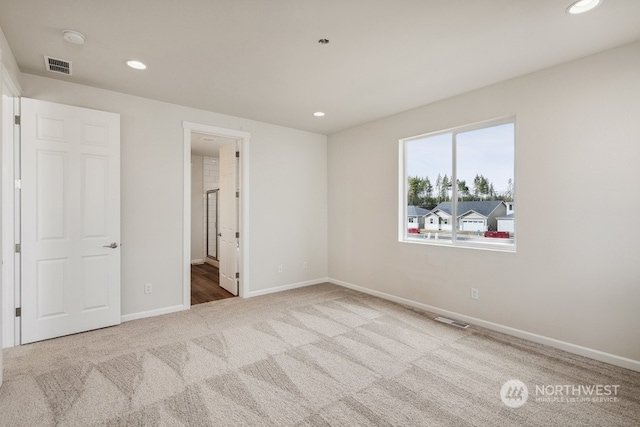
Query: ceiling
[[261, 59], [203, 144]]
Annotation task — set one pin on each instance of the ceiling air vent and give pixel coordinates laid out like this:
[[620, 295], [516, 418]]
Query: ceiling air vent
[[60, 66]]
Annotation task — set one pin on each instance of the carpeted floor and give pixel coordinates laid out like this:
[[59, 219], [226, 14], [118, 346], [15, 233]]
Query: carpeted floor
[[316, 356]]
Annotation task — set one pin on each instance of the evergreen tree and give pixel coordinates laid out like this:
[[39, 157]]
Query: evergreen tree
[[483, 188], [428, 190], [476, 187], [416, 190], [444, 188], [463, 189]]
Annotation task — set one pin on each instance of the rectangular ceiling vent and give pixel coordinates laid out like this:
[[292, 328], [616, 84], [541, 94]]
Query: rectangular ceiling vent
[[60, 66]]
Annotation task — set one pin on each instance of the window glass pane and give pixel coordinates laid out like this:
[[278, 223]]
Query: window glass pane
[[485, 172], [429, 182], [476, 167]]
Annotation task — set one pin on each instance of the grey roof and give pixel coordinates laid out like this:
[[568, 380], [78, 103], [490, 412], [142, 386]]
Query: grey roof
[[483, 207], [416, 211]]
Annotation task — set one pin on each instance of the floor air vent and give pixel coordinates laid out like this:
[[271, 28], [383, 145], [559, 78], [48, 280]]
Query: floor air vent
[[60, 66], [452, 322]]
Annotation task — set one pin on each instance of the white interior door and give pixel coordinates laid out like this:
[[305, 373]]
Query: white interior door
[[70, 219], [228, 206]]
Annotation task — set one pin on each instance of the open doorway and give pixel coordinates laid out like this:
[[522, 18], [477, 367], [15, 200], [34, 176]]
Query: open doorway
[[205, 284], [233, 248], [206, 230]]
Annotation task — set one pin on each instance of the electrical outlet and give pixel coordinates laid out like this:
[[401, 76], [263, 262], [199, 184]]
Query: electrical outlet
[[305, 265], [474, 293], [148, 288], [280, 268]]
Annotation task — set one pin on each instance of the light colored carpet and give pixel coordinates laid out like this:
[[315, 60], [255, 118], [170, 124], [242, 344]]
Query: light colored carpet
[[317, 356]]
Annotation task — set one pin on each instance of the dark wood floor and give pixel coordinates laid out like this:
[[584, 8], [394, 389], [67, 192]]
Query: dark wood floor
[[205, 285]]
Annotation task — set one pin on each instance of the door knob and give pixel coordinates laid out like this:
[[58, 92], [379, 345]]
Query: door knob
[[112, 245]]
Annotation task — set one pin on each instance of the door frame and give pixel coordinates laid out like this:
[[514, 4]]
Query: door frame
[[10, 145], [243, 208]]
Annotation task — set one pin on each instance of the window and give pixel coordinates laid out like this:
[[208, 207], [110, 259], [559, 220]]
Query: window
[[464, 179]]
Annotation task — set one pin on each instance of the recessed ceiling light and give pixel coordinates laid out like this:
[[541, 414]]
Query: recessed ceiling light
[[318, 114], [137, 65], [73, 37], [582, 6]]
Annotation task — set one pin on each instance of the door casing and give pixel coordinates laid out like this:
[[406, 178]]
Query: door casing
[[10, 220], [243, 226]]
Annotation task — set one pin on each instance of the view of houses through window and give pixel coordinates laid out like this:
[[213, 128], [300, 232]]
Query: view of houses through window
[[459, 185]]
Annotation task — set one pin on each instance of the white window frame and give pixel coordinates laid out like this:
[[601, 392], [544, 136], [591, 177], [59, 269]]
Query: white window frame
[[405, 237]]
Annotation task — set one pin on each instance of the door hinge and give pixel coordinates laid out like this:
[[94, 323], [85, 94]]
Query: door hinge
[[237, 234], [18, 311], [18, 248], [237, 194], [16, 120], [238, 154], [18, 184], [237, 275]]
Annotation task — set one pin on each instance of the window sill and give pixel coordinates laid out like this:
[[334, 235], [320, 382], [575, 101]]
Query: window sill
[[487, 246]]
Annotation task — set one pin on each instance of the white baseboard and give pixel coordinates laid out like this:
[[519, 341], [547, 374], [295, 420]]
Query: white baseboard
[[212, 262], [612, 359], [173, 309], [151, 313], [197, 261], [287, 287]]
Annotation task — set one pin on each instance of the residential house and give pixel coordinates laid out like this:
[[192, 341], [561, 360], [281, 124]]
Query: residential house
[[477, 216], [415, 218], [510, 207], [506, 223], [438, 220]]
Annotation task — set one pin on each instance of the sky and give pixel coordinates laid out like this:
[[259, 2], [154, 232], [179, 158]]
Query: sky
[[488, 151]]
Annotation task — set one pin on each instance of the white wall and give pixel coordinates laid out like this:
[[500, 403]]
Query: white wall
[[577, 150], [288, 185], [211, 172], [8, 60], [197, 209]]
